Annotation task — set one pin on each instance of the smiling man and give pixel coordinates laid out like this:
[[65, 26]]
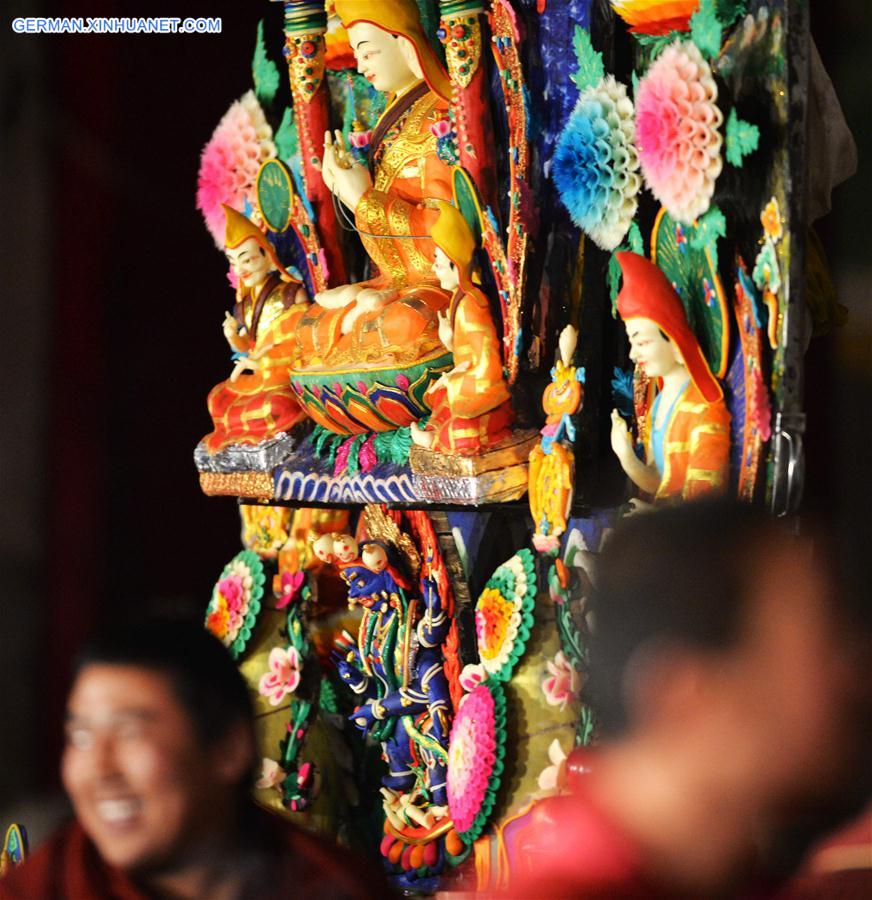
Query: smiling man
[[158, 758]]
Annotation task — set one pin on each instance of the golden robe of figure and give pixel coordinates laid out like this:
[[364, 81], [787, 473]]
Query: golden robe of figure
[[471, 409], [257, 401], [392, 318]]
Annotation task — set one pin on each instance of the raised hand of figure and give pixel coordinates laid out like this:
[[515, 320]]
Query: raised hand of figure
[[230, 328], [622, 441], [363, 717], [446, 332], [344, 177], [349, 667]]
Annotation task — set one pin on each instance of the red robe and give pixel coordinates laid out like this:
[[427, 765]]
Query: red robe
[[292, 863]]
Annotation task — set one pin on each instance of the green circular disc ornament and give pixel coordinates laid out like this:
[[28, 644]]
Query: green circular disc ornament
[[236, 602], [275, 194]]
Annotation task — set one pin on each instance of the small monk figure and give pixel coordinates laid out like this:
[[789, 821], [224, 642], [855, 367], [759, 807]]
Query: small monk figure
[[687, 433], [257, 401], [471, 407]]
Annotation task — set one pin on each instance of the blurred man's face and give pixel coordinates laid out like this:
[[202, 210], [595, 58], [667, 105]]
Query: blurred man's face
[[132, 766], [801, 684]]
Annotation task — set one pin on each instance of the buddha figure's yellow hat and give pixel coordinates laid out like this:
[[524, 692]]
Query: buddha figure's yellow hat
[[240, 228], [399, 17], [452, 235]]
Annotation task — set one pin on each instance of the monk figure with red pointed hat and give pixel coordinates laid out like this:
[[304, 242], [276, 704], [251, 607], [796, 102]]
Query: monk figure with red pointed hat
[[687, 434]]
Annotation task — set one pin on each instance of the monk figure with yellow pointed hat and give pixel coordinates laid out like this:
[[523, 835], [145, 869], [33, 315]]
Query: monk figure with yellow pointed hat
[[687, 433], [471, 407], [257, 401], [392, 317]]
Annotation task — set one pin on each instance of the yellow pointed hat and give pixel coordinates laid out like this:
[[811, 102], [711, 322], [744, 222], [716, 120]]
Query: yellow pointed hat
[[452, 234], [400, 17]]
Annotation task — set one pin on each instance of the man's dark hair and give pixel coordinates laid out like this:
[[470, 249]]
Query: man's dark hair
[[680, 575], [202, 673]]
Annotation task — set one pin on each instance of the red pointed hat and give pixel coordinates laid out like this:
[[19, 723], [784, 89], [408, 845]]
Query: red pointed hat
[[647, 294]]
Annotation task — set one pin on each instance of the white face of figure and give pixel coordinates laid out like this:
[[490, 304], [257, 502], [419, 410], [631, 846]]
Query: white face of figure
[[344, 548], [654, 354], [386, 62], [374, 557], [445, 270], [250, 263], [323, 548]]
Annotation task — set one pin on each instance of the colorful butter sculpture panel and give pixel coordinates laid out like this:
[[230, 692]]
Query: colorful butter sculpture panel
[[434, 337], [409, 249], [414, 346]]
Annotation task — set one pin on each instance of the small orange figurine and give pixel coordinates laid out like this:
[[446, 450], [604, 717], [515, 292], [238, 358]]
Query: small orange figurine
[[471, 408], [552, 460], [257, 401]]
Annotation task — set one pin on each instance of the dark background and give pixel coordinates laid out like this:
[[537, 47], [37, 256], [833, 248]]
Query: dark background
[[113, 295]]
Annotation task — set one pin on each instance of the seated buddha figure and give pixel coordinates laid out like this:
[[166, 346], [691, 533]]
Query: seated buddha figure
[[257, 401], [471, 409], [686, 435], [392, 317]]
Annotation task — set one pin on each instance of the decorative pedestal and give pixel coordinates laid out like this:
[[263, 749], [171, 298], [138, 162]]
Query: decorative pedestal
[[493, 477]]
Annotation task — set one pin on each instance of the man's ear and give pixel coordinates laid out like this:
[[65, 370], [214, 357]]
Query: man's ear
[[410, 55], [233, 755]]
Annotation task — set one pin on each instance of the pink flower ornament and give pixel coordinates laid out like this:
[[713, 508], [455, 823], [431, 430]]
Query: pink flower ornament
[[441, 128], [241, 142], [360, 139], [471, 757], [283, 676], [551, 777], [677, 122], [271, 775], [232, 590], [291, 586], [563, 683]]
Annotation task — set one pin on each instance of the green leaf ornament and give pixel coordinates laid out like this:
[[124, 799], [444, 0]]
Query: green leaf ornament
[[706, 232], [264, 70], [705, 29], [742, 139], [286, 137], [591, 70]]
